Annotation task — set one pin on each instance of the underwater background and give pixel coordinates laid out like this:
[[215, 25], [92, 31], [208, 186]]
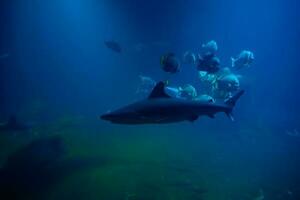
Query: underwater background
[[57, 76]]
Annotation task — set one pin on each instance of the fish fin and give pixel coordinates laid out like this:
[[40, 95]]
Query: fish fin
[[232, 62], [199, 57], [202, 73], [159, 91]]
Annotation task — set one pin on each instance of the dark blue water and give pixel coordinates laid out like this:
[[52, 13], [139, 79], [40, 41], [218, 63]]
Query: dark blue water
[[57, 75]]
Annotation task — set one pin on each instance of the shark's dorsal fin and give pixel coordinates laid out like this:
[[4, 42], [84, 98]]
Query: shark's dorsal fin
[[159, 91]]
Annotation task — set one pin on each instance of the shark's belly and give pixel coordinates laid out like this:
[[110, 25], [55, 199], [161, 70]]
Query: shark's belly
[[166, 113]]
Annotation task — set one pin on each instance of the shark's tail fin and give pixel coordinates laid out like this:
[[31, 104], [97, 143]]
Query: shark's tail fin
[[231, 101]]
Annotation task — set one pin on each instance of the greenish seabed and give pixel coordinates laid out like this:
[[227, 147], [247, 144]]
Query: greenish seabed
[[167, 163]]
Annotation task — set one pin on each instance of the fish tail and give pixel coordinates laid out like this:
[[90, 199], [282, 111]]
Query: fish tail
[[232, 62]]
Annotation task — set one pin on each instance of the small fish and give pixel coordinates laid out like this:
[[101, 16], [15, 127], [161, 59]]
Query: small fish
[[205, 98], [146, 85], [228, 83], [173, 91], [188, 92], [115, 46], [189, 58], [208, 63], [243, 60], [147, 80], [170, 63], [210, 47]]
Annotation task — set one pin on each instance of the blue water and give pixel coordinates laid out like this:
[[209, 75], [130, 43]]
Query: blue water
[[58, 76]]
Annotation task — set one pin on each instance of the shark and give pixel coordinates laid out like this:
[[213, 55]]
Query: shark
[[160, 108]]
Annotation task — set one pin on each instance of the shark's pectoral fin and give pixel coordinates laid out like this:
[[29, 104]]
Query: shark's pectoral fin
[[193, 118]]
